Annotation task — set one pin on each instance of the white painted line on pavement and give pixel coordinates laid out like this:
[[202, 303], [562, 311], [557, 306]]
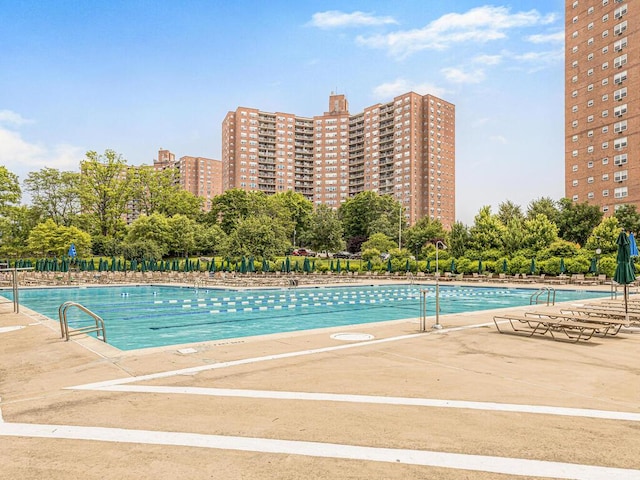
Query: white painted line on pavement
[[245, 361], [479, 463], [380, 400]]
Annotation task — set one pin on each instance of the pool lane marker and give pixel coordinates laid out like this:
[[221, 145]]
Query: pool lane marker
[[457, 461]]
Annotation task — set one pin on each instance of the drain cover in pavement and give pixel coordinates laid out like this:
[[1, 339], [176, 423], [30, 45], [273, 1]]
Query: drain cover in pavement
[[352, 337]]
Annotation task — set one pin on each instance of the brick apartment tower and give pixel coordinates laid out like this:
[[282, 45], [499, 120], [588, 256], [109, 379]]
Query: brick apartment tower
[[602, 91], [404, 148], [198, 175]]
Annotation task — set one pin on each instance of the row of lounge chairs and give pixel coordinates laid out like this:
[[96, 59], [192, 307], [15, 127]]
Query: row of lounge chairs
[[574, 322]]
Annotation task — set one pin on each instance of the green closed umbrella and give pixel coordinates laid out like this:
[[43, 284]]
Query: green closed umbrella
[[624, 274], [593, 268], [348, 266], [369, 265], [389, 267], [287, 265], [306, 265], [338, 267], [331, 266], [562, 266], [407, 267], [251, 267], [428, 267], [212, 265], [453, 265], [532, 268], [243, 265], [265, 265], [505, 267], [479, 266]]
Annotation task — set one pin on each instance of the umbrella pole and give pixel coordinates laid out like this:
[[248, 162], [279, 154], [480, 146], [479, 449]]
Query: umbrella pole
[[626, 303]]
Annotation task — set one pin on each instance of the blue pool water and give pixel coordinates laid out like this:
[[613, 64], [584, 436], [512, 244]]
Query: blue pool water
[[151, 316]]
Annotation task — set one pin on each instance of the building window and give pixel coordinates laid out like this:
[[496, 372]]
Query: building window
[[590, 180], [590, 87], [620, 176], [574, 138], [574, 109], [605, 193], [605, 34], [574, 94], [605, 113], [620, 127], [590, 149], [620, 192], [605, 145], [605, 65], [605, 177], [620, 94], [620, 143], [574, 168], [605, 129], [605, 161], [574, 198], [589, 164], [590, 133], [605, 18], [590, 119], [619, 12], [620, 44], [575, 183], [574, 64], [620, 159], [620, 61], [590, 42], [590, 195], [620, 110], [590, 72], [605, 97], [574, 124], [590, 103], [620, 28], [605, 50], [618, 78]]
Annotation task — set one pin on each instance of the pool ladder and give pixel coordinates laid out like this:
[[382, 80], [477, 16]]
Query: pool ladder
[[550, 293], [98, 327]]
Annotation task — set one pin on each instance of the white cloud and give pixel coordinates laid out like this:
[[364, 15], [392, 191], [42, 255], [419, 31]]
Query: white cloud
[[478, 25], [338, 19], [488, 59], [498, 139], [7, 117], [457, 75], [22, 157], [546, 38], [401, 85]]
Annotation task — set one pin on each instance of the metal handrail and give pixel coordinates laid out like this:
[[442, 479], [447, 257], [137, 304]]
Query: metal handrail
[[64, 324], [533, 299]]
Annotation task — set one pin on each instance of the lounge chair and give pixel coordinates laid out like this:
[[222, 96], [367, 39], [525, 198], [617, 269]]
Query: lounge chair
[[529, 325]]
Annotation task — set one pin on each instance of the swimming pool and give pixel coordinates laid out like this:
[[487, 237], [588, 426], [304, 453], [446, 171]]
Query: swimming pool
[[153, 316]]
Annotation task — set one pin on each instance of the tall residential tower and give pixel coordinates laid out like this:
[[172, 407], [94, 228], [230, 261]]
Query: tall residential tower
[[404, 148], [602, 90]]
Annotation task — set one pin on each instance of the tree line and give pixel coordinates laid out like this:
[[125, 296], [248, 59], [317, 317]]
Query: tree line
[[90, 209]]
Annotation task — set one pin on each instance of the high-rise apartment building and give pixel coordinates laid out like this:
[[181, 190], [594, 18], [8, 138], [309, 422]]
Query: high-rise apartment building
[[198, 175], [404, 148], [602, 90]]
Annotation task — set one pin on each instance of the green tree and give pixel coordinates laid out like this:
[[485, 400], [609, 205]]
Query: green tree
[[424, 231], [47, 238], [183, 202], [628, 218], [487, 232], [459, 239], [379, 242], [56, 194], [211, 239], [233, 206], [545, 206], [325, 230], [182, 235], [104, 190], [513, 236], [10, 192], [152, 190], [258, 236], [604, 236], [508, 211], [539, 233], [367, 213], [577, 220], [154, 228], [292, 207]]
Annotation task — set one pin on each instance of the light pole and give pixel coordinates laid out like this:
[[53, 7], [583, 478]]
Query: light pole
[[437, 326]]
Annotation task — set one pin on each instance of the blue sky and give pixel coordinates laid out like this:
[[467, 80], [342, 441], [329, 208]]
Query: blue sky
[[139, 75]]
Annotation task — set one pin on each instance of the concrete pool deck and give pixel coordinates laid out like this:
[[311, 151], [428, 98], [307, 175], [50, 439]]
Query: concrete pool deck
[[462, 402]]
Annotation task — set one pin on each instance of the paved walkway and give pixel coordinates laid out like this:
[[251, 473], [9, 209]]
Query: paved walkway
[[462, 402]]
